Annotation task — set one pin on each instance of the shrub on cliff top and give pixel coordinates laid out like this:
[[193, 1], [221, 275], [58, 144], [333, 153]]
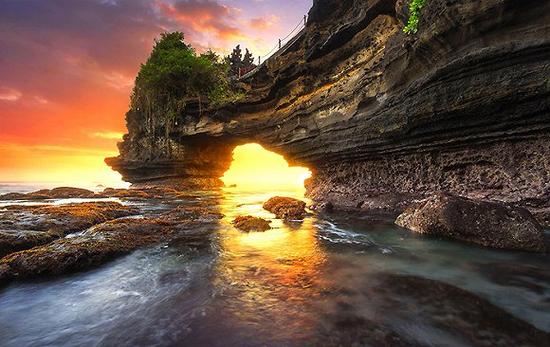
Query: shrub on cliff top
[[414, 16], [175, 73]]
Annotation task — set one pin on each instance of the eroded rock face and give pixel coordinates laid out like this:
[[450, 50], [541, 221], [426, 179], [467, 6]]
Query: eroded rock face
[[251, 223], [462, 106], [483, 223], [286, 208]]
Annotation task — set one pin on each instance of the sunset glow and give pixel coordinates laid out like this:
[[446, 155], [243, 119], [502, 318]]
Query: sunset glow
[[68, 68], [255, 167]]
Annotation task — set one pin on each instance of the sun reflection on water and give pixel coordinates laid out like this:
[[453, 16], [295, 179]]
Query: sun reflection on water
[[272, 275]]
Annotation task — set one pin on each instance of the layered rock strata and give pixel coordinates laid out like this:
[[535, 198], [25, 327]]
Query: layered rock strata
[[379, 116]]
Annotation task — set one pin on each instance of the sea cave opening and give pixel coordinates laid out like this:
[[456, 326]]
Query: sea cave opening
[[258, 170]]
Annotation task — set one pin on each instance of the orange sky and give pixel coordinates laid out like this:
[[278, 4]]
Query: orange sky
[[67, 69]]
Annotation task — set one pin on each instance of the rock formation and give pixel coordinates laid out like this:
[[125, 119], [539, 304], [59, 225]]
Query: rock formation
[[484, 223], [286, 208], [461, 106], [251, 223]]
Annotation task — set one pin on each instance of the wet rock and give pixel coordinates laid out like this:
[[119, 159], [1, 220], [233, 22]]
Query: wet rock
[[465, 317], [323, 207], [353, 330], [124, 193], [529, 277], [250, 223], [93, 247], [286, 208], [56, 193], [69, 192], [13, 196], [61, 218], [106, 241], [17, 240], [483, 223]]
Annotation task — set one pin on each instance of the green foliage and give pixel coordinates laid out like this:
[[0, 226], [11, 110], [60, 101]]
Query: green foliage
[[175, 74], [414, 16]]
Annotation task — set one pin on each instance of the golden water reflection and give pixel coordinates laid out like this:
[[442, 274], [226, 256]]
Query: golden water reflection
[[270, 275]]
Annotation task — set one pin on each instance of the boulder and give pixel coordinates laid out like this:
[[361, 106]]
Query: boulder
[[483, 223], [286, 208], [250, 223]]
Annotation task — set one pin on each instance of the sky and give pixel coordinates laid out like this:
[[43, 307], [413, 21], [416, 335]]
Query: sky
[[67, 69]]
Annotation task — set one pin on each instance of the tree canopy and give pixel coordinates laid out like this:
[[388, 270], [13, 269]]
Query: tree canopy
[[174, 73]]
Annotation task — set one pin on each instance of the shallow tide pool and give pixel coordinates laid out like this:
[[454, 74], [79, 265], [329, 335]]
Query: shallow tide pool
[[330, 280]]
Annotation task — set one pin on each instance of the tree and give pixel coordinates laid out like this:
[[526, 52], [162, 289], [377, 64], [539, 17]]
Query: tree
[[236, 60], [173, 75], [248, 60]]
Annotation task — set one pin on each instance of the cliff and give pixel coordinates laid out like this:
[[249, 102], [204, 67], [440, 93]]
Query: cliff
[[379, 116]]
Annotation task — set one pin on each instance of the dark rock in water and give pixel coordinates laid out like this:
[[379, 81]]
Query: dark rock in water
[[69, 192], [323, 207], [13, 196], [286, 208], [250, 223], [106, 241], [18, 240], [61, 218], [532, 278], [353, 330], [93, 247], [484, 223], [467, 317]]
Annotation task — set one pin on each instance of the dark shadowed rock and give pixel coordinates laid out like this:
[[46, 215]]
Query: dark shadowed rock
[[354, 330], [250, 223], [468, 318], [533, 278], [484, 223], [323, 207], [17, 240], [286, 208]]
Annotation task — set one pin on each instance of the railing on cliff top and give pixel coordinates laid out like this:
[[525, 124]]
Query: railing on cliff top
[[280, 48]]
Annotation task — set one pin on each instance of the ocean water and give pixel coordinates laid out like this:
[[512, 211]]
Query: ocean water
[[332, 279]]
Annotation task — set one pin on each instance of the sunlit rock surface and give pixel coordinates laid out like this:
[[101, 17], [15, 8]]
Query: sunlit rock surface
[[286, 208], [251, 223], [462, 106]]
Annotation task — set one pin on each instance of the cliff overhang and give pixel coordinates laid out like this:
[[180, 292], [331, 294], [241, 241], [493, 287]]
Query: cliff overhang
[[462, 106]]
